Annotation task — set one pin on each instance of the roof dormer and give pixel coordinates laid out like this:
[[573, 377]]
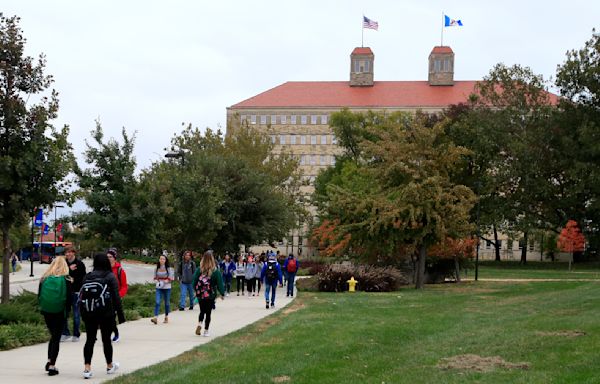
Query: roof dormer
[[361, 67], [441, 66]]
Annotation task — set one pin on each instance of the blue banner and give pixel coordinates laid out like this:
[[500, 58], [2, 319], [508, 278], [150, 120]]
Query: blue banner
[[39, 218], [46, 229]]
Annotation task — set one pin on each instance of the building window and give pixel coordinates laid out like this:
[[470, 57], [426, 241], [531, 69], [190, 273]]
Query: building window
[[253, 119], [263, 119], [313, 119], [303, 119], [293, 119], [313, 139], [488, 244], [293, 139], [367, 65], [273, 139], [302, 159], [243, 119], [323, 139], [323, 160], [323, 119], [531, 246], [332, 160], [303, 139], [283, 119], [313, 159], [282, 139], [333, 140], [273, 119]]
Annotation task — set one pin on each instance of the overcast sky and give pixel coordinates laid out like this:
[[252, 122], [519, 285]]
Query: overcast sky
[[150, 66]]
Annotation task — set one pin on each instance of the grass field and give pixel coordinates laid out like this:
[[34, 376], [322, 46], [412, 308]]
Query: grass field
[[498, 332], [537, 270]]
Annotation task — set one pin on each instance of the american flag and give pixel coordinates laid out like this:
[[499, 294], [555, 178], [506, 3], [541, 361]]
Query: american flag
[[368, 23]]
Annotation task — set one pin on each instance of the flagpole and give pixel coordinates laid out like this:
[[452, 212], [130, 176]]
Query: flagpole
[[442, 43], [362, 36]]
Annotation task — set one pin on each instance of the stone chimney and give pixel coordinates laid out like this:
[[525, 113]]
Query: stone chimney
[[361, 67], [441, 66]]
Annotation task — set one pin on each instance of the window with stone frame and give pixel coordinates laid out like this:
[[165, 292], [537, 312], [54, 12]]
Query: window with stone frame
[[293, 119], [303, 139], [253, 119], [283, 119], [263, 119], [323, 139], [333, 140], [313, 159], [282, 139], [313, 119], [292, 139], [324, 119], [273, 119], [323, 160], [313, 139], [303, 119]]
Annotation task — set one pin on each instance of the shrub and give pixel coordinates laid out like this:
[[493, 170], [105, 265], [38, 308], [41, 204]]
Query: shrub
[[308, 284], [18, 335], [370, 278], [21, 309], [313, 267]]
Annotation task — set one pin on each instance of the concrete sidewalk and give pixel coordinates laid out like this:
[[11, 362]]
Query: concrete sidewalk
[[142, 343]]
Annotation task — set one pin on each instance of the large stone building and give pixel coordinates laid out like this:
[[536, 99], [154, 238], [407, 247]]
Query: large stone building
[[296, 114]]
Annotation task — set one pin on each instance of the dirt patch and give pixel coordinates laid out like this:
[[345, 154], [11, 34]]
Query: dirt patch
[[281, 379], [191, 356], [477, 363], [571, 333], [293, 308]]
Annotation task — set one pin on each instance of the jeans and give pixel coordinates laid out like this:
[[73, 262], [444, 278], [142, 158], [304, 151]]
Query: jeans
[[268, 286], [187, 289], [106, 325], [54, 322], [76, 318], [227, 279], [166, 294], [290, 283]]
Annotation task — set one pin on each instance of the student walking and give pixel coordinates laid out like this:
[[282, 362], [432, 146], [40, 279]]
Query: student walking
[[13, 262], [186, 276], [251, 275], [77, 273], [228, 270], [271, 274], [121, 276], [54, 298], [98, 301], [163, 275], [240, 274], [207, 281], [259, 266], [291, 267]]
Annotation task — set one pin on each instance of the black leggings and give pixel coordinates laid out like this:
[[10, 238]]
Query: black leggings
[[54, 321], [206, 307], [251, 285], [240, 283], [106, 325]]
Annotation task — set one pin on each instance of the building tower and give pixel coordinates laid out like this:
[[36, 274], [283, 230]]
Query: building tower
[[361, 67], [441, 66]]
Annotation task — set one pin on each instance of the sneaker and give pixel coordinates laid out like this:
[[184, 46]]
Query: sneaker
[[75, 339], [52, 371], [238, 294], [64, 338], [47, 366], [287, 295], [114, 368], [87, 374], [206, 334], [191, 308], [227, 294], [267, 306], [272, 305], [181, 309], [153, 320], [199, 330], [166, 320], [116, 339]]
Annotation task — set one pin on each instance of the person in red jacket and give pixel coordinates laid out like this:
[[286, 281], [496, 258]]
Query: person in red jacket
[[121, 276]]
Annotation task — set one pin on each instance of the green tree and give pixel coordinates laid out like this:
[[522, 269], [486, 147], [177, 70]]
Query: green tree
[[35, 157]]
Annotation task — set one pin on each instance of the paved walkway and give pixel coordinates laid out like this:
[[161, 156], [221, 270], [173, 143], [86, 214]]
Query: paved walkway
[[142, 343]]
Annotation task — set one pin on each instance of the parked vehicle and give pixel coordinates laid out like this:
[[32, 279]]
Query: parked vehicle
[[47, 251]]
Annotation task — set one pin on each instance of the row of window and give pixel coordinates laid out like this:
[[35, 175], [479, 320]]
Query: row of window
[[316, 159], [510, 245], [292, 139], [285, 119]]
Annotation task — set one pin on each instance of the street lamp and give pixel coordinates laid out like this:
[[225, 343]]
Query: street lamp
[[55, 207], [176, 155]]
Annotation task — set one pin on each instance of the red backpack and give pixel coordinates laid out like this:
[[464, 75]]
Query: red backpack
[[291, 266]]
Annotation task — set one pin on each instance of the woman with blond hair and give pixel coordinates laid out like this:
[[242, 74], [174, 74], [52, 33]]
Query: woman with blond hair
[[207, 281], [54, 298]]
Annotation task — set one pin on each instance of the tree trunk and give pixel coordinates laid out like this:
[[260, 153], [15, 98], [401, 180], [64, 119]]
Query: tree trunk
[[524, 249], [420, 281], [5, 266], [457, 269], [496, 246]]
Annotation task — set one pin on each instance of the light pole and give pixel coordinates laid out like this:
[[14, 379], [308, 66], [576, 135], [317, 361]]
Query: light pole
[[55, 207]]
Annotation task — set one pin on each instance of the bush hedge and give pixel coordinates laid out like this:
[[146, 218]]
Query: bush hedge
[[370, 278]]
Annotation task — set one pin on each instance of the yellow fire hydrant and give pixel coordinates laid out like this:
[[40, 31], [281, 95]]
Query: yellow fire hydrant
[[352, 284]]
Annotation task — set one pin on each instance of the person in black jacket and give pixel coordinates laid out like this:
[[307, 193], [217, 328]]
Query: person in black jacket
[[56, 316], [103, 319], [77, 273]]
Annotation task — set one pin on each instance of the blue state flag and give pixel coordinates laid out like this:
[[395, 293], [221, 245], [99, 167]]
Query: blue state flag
[[39, 218], [448, 22], [46, 229]]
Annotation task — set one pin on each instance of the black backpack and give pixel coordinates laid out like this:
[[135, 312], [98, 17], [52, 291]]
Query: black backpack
[[272, 274], [95, 296]]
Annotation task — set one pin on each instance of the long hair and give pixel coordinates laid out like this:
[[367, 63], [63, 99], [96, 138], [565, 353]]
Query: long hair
[[58, 267], [208, 263], [101, 262], [166, 262]]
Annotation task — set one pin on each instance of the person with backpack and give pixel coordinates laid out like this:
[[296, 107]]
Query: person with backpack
[[250, 275], [121, 276], [14, 259], [228, 269], [259, 266], [77, 273], [207, 282], [54, 299], [291, 267], [99, 299], [271, 274], [186, 275], [163, 275], [240, 274]]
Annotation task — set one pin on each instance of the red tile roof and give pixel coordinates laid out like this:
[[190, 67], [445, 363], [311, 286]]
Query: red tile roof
[[362, 51], [441, 49]]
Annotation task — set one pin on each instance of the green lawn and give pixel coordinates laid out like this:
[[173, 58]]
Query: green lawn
[[536, 270], [402, 337]]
